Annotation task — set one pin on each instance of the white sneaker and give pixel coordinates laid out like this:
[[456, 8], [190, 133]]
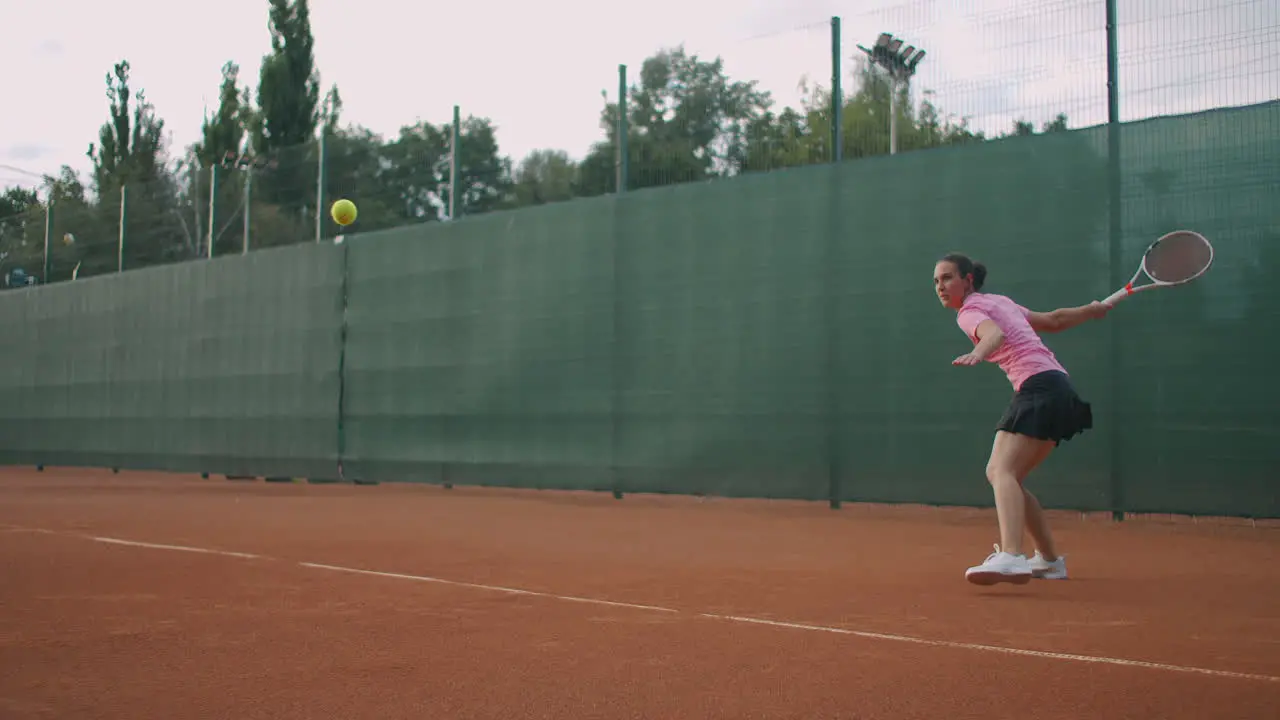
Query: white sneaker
[[1041, 568], [1000, 567]]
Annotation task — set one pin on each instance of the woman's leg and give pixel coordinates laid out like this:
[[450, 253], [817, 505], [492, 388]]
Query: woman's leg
[[1034, 514], [1012, 458], [1039, 527]]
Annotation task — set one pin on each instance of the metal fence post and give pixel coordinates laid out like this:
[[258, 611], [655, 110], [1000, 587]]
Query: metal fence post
[[624, 149], [48, 239], [124, 214], [837, 94], [213, 205], [248, 209], [321, 170], [455, 135], [1114, 239]]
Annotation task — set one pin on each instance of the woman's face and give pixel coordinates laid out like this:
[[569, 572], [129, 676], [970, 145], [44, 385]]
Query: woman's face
[[949, 284]]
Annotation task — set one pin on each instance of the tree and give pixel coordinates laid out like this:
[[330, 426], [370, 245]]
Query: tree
[[931, 129], [21, 233], [406, 180], [417, 168], [289, 84], [358, 163], [331, 111], [1023, 128], [417, 174], [22, 226], [484, 176], [283, 126], [66, 187], [225, 131], [221, 136], [16, 201], [129, 148], [804, 137], [129, 152], [775, 141], [545, 176], [686, 121]]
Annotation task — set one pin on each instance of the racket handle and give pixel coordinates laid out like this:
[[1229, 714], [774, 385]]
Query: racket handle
[[1118, 295]]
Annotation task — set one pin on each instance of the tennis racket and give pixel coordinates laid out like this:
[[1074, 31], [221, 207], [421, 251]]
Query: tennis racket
[[1175, 259]]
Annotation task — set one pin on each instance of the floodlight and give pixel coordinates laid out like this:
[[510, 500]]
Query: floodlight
[[900, 66], [890, 54]]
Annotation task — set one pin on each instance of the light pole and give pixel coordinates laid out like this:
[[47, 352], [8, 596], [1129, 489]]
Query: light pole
[[901, 64]]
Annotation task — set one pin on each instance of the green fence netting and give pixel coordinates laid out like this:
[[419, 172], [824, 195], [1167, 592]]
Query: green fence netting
[[228, 366], [772, 335]]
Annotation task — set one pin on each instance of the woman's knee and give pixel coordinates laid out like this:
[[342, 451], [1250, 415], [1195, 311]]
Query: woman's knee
[[1000, 472], [1013, 456]]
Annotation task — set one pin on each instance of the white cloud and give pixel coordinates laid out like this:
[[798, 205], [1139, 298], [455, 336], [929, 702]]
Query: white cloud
[[25, 152]]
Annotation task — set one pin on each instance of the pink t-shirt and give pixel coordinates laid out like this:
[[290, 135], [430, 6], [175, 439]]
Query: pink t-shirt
[[1022, 354]]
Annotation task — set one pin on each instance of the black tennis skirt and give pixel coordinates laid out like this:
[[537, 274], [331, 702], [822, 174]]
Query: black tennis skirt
[[1047, 407]]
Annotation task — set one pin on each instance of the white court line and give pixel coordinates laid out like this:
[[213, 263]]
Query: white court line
[[995, 648], [495, 588], [729, 618], [183, 548]]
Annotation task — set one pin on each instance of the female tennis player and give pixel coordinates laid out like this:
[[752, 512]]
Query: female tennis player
[[1044, 411]]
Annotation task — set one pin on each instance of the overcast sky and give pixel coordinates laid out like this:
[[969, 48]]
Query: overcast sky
[[537, 69]]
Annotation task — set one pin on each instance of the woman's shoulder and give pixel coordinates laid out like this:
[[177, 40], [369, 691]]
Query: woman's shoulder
[[987, 300], [990, 299], [993, 305]]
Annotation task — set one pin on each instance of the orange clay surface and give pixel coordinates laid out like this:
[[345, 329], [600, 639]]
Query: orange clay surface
[[150, 596]]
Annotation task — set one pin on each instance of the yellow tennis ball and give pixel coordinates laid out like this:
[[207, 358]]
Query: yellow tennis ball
[[343, 212]]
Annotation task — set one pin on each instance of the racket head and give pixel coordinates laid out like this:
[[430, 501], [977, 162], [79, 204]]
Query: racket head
[[1178, 257]]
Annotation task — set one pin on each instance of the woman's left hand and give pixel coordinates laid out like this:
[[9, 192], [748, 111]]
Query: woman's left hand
[[967, 359]]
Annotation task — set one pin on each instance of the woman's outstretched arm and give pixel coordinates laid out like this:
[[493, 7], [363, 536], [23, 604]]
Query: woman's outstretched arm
[[1066, 318]]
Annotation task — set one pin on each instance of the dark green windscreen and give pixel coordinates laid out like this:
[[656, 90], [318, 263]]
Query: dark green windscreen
[[479, 351], [1199, 425], [915, 428], [721, 347], [227, 366], [772, 335]]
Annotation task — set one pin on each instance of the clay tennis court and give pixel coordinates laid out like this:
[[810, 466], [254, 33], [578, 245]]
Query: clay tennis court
[[152, 596]]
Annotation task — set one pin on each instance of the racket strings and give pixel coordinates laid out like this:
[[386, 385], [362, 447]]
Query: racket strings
[[1178, 258]]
